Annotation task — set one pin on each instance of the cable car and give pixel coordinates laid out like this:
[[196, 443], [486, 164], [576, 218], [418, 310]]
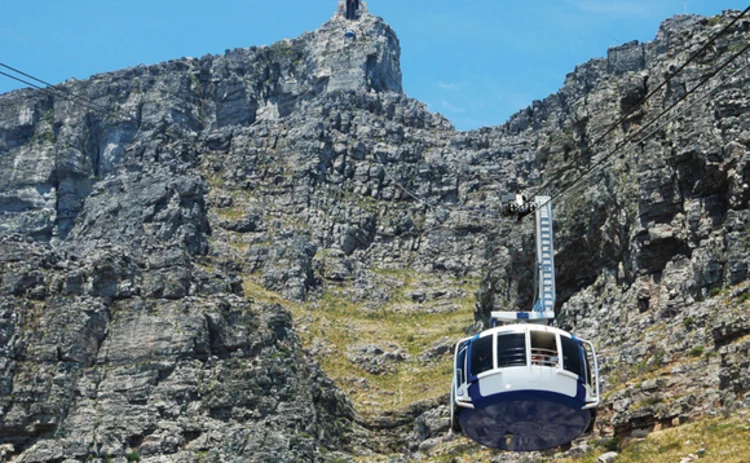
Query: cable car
[[526, 386]]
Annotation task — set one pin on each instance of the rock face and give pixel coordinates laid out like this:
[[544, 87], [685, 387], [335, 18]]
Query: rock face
[[116, 353], [140, 239], [652, 248]]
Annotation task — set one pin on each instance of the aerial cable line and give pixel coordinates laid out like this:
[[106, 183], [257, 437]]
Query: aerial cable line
[[435, 207], [18, 71], [653, 92], [574, 185], [47, 91], [44, 90], [96, 107], [669, 78], [608, 157], [656, 130], [55, 92], [68, 95], [601, 138], [596, 166], [403, 188], [666, 81]]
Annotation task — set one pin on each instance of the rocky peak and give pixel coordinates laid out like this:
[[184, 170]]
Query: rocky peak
[[358, 55]]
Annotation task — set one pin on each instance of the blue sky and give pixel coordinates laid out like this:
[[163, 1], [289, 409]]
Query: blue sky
[[477, 62]]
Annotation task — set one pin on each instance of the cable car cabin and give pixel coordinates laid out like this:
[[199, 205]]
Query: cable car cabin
[[524, 387]]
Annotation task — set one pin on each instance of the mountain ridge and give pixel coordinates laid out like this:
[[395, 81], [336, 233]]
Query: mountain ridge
[[271, 259]]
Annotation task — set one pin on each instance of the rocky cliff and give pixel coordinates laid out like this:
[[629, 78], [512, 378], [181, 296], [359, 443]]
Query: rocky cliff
[[266, 255]]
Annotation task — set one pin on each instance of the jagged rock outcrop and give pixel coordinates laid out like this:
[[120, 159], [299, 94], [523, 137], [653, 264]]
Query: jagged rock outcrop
[[652, 250], [116, 353], [143, 243], [115, 338]]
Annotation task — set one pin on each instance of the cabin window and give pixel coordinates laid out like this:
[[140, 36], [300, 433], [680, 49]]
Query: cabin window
[[461, 366], [543, 349], [511, 350], [588, 358], [481, 355], [572, 356]]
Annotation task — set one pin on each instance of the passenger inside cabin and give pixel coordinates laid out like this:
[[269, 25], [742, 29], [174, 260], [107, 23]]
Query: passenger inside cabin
[[485, 361], [481, 355]]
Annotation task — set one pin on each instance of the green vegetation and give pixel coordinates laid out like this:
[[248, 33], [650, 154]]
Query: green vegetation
[[47, 137], [206, 265], [232, 213], [736, 47], [133, 456], [336, 321], [49, 116], [696, 351], [611, 444], [282, 48], [341, 323], [723, 441], [640, 372], [689, 322], [255, 290], [649, 402], [203, 457], [196, 85]]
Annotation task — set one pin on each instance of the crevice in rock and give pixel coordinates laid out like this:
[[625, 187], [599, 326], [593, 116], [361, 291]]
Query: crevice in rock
[[190, 436], [221, 413]]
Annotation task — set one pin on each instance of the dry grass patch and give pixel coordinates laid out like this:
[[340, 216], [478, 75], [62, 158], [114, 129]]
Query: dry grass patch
[[255, 290], [722, 440], [458, 450], [333, 324], [635, 374]]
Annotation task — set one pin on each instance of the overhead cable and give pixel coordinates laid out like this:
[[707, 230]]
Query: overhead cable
[[599, 164], [648, 96], [609, 156], [54, 91], [72, 95], [601, 138]]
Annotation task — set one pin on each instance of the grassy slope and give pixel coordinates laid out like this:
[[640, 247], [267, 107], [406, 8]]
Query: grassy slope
[[724, 440], [333, 323]]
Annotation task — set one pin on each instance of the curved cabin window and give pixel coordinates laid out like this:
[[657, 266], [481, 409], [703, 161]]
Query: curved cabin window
[[511, 350], [461, 365], [543, 349], [572, 356], [481, 355], [588, 361]]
